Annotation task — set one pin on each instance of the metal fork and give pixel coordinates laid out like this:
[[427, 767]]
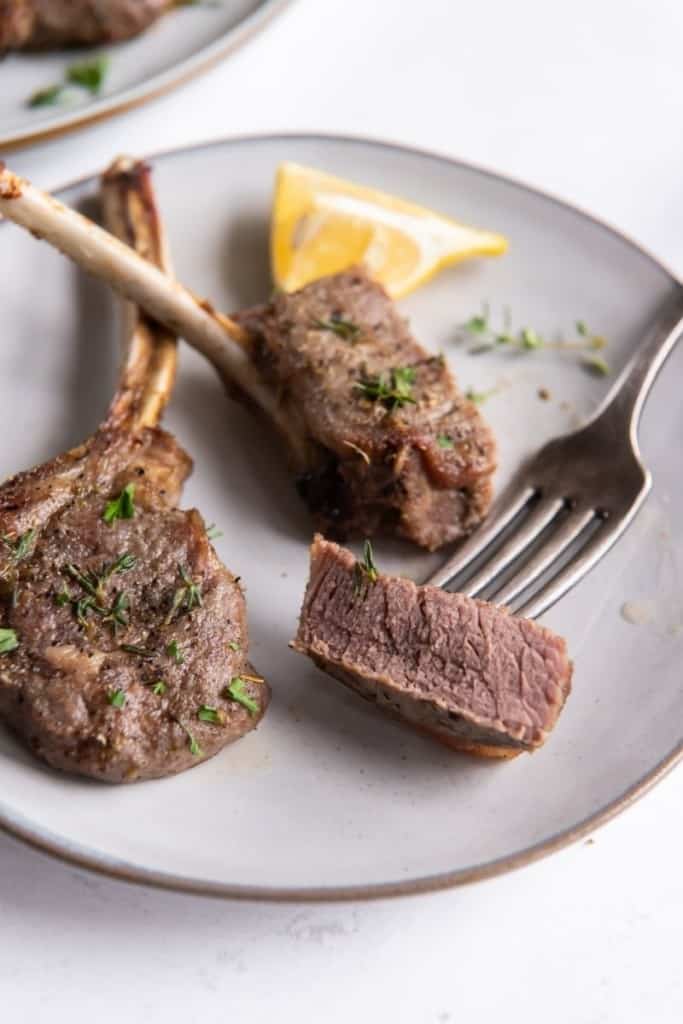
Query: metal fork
[[568, 505]]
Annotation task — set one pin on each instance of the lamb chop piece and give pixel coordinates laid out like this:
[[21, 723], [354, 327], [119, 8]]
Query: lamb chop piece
[[123, 639], [50, 24], [379, 437], [467, 672], [393, 444]]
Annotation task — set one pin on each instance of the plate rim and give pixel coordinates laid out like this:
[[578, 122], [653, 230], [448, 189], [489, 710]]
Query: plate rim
[[76, 854], [158, 85]]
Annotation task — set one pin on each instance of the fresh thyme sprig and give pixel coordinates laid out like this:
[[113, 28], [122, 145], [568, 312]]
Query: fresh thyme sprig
[[393, 388], [480, 330], [20, 547], [187, 597], [116, 614], [345, 329], [365, 572]]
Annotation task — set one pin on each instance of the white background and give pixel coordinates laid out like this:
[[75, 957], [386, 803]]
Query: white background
[[583, 99]]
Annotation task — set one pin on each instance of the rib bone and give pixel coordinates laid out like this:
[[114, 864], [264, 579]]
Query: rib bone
[[149, 368], [217, 337]]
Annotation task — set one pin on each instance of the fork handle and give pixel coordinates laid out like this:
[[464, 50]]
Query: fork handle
[[626, 398]]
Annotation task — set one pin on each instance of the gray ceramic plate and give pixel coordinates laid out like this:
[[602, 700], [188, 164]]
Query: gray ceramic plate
[[179, 46], [329, 798]]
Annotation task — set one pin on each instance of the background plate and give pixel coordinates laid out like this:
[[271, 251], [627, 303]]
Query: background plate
[[176, 48], [329, 799]]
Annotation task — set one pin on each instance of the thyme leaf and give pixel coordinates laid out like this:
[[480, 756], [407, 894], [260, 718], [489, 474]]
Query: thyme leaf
[[89, 74], [122, 507], [343, 328], [187, 597], [174, 652], [365, 572], [9, 641], [142, 652], [208, 714], [393, 388], [236, 691]]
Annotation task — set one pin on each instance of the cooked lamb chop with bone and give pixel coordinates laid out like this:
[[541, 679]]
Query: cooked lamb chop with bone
[[467, 672], [123, 639], [379, 436], [46, 24]]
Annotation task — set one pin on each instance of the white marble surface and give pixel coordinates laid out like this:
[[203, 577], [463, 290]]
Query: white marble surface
[[582, 99]]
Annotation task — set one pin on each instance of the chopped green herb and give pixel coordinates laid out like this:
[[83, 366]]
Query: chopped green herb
[[213, 533], [581, 328], [87, 581], [89, 74], [82, 607], [118, 613], [195, 749], [124, 563], [236, 691], [187, 597], [142, 652], [392, 389], [597, 365], [444, 441], [9, 641], [122, 507], [479, 397], [93, 585], [20, 547], [63, 597], [159, 688], [174, 652], [345, 329], [209, 714], [234, 646], [117, 698], [49, 97], [530, 338], [365, 573]]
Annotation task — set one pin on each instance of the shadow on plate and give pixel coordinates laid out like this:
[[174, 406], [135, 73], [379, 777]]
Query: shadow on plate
[[247, 260]]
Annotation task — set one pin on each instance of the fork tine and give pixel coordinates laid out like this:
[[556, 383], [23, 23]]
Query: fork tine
[[508, 506], [598, 546], [556, 545], [538, 519]]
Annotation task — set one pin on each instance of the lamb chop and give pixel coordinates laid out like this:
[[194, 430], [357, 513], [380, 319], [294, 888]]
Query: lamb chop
[[379, 437], [123, 639], [465, 671], [50, 24]]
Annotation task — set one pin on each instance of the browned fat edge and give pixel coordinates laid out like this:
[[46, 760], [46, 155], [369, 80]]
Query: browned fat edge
[[10, 185]]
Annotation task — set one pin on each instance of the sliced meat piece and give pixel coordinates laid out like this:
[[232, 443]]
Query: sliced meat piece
[[418, 461], [467, 672], [43, 24]]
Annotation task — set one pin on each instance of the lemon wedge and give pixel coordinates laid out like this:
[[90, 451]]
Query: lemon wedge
[[322, 224]]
